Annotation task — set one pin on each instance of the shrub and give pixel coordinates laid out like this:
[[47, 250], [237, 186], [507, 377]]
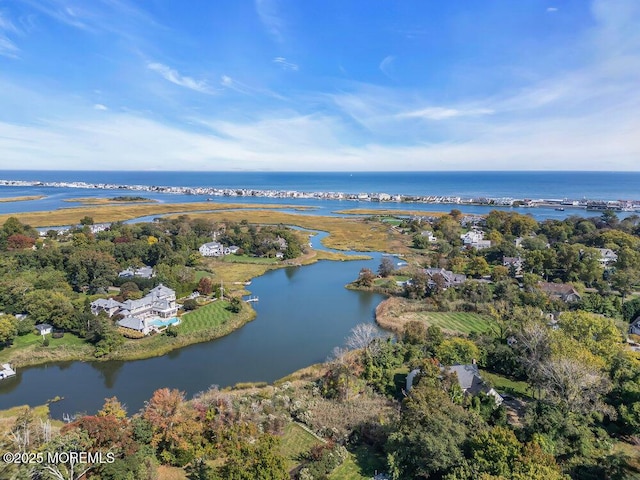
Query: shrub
[[45, 342]]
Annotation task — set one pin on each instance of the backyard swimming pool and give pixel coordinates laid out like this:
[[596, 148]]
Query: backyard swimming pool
[[164, 322]]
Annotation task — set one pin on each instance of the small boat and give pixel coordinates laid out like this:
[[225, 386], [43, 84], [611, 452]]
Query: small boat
[[560, 209]]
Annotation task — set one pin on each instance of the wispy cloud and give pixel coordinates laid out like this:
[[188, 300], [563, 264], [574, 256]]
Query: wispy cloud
[[552, 9], [386, 65], [284, 64], [270, 17], [101, 107], [7, 47], [175, 77], [442, 113]]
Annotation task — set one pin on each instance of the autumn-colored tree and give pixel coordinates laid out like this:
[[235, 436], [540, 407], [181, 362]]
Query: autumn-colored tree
[[205, 285], [175, 431], [19, 241]]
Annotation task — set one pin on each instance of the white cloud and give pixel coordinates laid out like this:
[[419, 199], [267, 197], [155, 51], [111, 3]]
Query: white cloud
[[284, 64], [8, 48], [101, 107], [269, 15], [441, 113], [552, 9], [386, 65], [174, 76]]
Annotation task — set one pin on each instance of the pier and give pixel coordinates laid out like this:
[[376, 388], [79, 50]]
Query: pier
[[251, 299]]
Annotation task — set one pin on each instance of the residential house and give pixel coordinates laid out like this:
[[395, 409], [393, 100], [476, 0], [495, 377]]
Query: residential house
[[429, 235], [142, 272], [514, 264], [474, 238], [469, 380], [231, 250], [607, 256], [560, 291], [450, 279], [44, 329], [110, 306], [135, 323], [211, 249], [634, 328], [160, 302]]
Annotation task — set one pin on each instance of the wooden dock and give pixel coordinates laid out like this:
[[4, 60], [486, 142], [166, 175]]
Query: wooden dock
[[6, 371], [251, 299]]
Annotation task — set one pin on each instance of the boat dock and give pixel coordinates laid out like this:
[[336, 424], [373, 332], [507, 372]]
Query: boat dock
[[6, 371], [251, 299]]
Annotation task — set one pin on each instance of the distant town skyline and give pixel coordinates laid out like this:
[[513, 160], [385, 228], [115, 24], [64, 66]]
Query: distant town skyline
[[285, 85]]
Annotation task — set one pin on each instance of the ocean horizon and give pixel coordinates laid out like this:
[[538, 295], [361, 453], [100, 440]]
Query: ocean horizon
[[494, 184]]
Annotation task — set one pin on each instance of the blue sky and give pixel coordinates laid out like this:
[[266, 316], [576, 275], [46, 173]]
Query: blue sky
[[320, 85]]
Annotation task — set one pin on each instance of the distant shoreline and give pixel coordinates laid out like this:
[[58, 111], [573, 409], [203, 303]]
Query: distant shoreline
[[560, 204]]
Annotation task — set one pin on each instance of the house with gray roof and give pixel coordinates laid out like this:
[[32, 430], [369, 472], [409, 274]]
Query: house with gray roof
[[142, 272], [469, 380], [560, 291], [44, 329], [160, 301], [450, 279], [135, 323]]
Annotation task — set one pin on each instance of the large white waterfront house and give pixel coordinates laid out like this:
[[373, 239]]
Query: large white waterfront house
[[216, 249], [160, 301]]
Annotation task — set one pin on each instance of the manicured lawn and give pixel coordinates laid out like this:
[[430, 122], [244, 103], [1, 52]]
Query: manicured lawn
[[36, 339], [506, 385], [463, 322], [361, 464], [295, 442], [209, 316]]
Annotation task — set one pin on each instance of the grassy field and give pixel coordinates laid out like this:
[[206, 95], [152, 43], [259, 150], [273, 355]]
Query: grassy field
[[112, 213], [295, 442], [28, 349], [507, 385], [248, 259], [391, 213], [394, 313], [21, 199], [210, 316], [462, 322], [344, 233], [361, 464]]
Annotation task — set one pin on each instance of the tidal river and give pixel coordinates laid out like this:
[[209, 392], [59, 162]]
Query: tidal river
[[303, 313]]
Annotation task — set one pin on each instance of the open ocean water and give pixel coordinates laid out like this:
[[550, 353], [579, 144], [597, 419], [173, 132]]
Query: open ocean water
[[534, 185]]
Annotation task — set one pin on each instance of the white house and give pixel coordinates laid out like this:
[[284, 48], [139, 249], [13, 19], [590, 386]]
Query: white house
[[44, 329], [211, 249], [160, 301], [429, 235], [607, 256], [475, 239]]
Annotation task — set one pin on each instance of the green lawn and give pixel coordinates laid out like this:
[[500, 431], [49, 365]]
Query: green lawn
[[36, 339], [463, 322], [506, 385], [206, 317], [361, 464], [295, 442], [248, 259], [202, 273]]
